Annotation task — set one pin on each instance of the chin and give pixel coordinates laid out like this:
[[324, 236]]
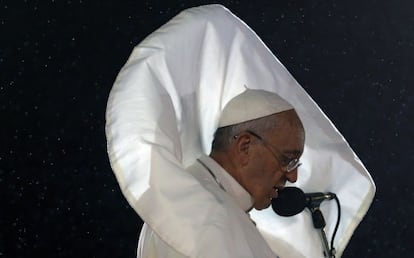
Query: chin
[[262, 206]]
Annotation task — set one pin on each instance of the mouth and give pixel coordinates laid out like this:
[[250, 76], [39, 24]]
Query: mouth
[[275, 193]]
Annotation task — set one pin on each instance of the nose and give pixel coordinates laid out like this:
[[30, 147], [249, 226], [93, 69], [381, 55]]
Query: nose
[[292, 176]]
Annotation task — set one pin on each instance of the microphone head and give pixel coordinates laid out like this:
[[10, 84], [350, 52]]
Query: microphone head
[[290, 201]]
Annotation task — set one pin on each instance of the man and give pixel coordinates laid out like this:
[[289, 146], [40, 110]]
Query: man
[[256, 149]]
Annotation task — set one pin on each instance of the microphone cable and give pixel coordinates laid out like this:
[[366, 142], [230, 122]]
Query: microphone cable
[[333, 251]]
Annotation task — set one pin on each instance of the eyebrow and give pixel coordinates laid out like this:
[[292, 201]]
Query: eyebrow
[[292, 152]]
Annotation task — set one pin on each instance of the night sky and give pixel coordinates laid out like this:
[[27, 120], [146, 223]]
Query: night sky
[[59, 59]]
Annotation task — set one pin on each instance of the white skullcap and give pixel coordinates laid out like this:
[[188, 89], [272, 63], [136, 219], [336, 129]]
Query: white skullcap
[[252, 104]]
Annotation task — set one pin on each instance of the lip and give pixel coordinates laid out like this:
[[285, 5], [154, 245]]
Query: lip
[[275, 193]]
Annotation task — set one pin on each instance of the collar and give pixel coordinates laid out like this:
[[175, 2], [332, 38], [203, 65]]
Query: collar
[[243, 199]]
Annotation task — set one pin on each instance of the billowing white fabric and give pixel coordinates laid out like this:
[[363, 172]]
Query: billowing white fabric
[[162, 113]]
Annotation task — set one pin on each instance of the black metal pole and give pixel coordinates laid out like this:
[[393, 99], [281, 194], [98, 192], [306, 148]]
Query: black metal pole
[[319, 223]]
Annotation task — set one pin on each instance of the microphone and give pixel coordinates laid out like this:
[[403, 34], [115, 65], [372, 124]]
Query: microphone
[[292, 200]]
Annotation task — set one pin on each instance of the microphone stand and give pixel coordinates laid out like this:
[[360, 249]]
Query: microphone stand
[[293, 200], [319, 223]]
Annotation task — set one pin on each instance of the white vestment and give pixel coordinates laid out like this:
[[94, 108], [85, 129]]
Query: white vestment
[[228, 211], [163, 111]]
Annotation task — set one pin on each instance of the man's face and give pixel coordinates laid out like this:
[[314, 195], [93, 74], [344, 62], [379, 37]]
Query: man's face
[[266, 172]]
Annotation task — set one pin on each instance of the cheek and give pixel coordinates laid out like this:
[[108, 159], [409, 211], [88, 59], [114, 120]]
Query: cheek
[[268, 179], [271, 172], [273, 178], [262, 177], [268, 172]]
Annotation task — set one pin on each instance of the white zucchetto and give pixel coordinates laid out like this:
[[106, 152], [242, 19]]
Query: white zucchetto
[[252, 104]]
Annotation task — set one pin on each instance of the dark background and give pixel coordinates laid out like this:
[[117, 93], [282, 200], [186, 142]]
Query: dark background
[[58, 60]]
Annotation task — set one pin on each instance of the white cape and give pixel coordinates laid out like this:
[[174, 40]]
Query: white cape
[[163, 111]]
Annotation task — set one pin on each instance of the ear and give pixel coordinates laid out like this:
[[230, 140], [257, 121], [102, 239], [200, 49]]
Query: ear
[[242, 148]]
